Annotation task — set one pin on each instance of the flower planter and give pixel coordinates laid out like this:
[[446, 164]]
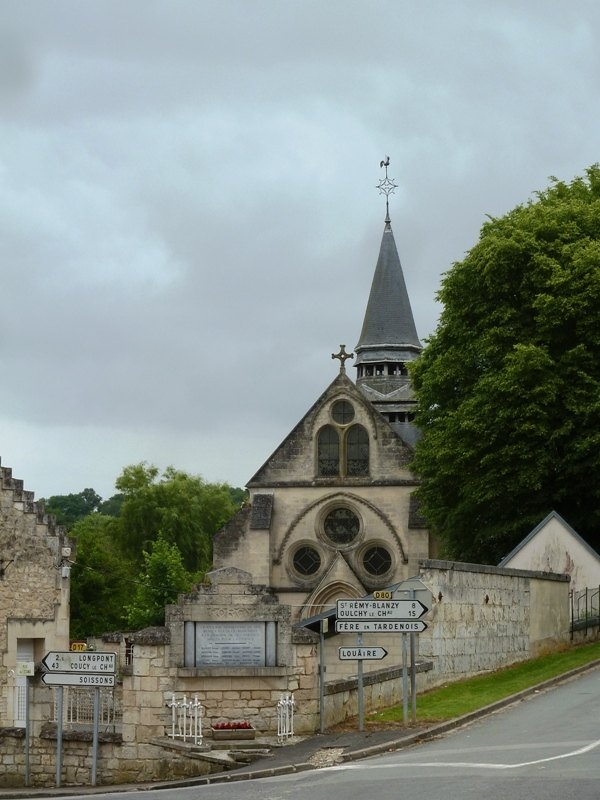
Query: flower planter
[[232, 734]]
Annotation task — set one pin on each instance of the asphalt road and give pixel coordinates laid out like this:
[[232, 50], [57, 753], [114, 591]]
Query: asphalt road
[[544, 748]]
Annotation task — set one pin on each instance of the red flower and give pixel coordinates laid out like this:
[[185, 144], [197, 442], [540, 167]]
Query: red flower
[[232, 726]]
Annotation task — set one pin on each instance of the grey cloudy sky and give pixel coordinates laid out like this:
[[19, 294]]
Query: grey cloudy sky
[[188, 215]]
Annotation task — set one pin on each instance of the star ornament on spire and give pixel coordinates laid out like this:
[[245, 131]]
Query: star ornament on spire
[[386, 186]]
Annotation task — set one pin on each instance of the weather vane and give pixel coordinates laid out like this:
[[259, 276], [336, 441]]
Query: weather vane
[[386, 186]]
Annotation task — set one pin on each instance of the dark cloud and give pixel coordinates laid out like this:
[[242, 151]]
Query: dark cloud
[[188, 215]]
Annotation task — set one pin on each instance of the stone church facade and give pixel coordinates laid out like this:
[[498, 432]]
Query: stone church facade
[[331, 515], [332, 512]]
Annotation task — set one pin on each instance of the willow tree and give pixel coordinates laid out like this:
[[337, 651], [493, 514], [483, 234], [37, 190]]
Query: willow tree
[[508, 386], [183, 508]]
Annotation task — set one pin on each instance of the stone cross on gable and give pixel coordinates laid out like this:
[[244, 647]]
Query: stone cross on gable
[[342, 355]]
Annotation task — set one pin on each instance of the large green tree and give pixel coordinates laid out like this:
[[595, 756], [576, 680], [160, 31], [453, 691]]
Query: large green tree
[[185, 509], [508, 386]]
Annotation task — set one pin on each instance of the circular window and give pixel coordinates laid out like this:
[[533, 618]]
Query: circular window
[[342, 412], [306, 560], [377, 560], [341, 526]]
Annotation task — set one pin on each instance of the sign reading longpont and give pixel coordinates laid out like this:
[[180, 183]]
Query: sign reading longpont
[[69, 661]]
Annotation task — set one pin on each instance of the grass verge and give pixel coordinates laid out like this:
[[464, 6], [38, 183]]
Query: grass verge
[[455, 699]]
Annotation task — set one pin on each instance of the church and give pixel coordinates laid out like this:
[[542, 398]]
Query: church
[[332, 512]]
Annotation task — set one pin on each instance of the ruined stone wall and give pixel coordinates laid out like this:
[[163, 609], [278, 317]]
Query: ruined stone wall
[[34, 592]]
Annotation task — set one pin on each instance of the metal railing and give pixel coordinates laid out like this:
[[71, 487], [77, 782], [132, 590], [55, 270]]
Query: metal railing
[[78, 707], [285, 717], [186, 719], [585, 609]]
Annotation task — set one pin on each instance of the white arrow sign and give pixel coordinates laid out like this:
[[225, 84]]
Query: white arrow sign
[[78, 679], [362, 653], [69, 661], [380, 609], [379, 626]]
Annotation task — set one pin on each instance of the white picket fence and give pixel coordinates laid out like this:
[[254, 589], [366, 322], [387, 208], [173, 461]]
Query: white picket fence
[[285, 717], [186, 719]]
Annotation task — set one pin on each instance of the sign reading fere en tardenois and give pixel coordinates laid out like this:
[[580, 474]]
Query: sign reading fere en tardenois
[[379, 626]]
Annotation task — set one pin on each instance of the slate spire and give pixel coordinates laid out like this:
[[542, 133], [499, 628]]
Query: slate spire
[[388, 339]]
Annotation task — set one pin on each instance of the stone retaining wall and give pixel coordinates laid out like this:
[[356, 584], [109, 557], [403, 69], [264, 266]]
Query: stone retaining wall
[[484, 617]]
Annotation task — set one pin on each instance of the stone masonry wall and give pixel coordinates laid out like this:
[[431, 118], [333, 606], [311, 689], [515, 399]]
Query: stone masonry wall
[[34, 593], [484, 618]]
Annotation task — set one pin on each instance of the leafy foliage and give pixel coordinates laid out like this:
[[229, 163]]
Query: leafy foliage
[[184, 509], [70, 508], [163, 577], [174, 516], [509, 385], [101, 579]]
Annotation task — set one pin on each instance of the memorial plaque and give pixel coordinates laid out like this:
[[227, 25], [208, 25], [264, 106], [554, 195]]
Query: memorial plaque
[[231, 644]]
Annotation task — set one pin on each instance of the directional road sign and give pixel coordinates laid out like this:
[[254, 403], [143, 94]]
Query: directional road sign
[[362, 653], [69, 661], [381, 609], [379, 626], [78, 679]]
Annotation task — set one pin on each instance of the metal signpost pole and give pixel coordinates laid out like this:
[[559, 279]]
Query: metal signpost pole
[[404, 681], [95, 734], [361, 698], [413, 671], [413, 677], [27, 723], [324, 624], [59, 733]]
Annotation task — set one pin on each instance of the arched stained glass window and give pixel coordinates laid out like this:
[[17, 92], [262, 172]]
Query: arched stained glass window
[[328, 451], [357, 451]]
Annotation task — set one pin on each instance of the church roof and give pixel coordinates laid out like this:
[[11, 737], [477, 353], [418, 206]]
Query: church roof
[[287, 465], [388, 323]]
